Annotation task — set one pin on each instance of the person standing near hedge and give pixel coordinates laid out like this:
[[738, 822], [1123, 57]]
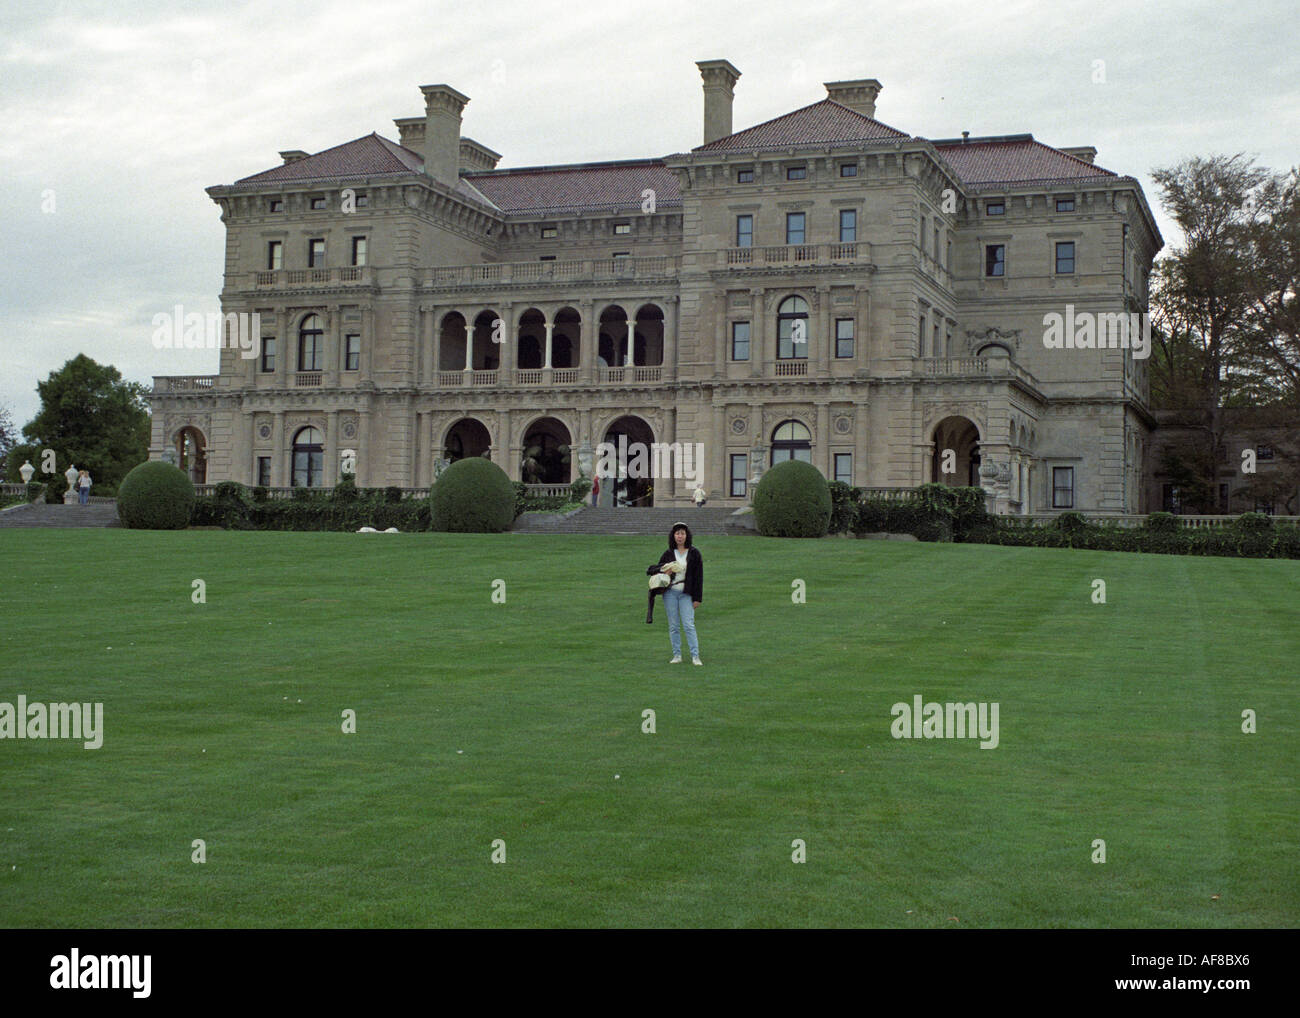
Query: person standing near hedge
[[686, 591], [83, 487]]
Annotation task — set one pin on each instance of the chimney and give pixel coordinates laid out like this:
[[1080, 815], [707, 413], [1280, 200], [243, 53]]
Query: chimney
[[292, 155], [719, 88], [443, 107], [474, 156], [1085, 152], [410, 134], [859, 96]]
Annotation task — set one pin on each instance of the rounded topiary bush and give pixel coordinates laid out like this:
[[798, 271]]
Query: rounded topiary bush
[[472, 496], [155, 496], [792, 500]]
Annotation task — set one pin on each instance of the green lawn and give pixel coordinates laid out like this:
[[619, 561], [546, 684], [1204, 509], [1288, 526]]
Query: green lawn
[[478, 721]]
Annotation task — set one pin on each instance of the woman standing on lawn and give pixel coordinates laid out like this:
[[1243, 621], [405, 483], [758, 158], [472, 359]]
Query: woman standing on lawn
[[686, 565]]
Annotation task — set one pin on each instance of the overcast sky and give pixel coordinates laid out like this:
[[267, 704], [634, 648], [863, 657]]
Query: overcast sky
[[123, 118]]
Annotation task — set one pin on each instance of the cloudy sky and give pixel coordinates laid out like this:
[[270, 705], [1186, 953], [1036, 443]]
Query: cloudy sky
[[112, 123]]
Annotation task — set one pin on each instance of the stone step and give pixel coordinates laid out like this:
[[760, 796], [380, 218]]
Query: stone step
[[97, 514], [713, 522]]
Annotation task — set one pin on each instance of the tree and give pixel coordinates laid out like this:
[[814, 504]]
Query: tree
[[1271, 344], [8, 438], [90, 417]]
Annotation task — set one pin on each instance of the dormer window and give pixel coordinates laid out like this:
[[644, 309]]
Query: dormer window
[[848, 169], [275, 205], [745, 176], [622, 228], [995, 208], [796, 173], [1064, 204], [317, 204], [550, 232]]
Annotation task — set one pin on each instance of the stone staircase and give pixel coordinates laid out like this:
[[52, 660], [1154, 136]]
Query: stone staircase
[[709, 521], [97, 514]]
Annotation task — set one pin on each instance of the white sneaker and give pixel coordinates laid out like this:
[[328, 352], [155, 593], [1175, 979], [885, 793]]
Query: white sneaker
[[676, 660], [696, 661]]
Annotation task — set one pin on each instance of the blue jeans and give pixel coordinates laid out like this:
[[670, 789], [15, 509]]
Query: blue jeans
[[681, 614], [83, 496]]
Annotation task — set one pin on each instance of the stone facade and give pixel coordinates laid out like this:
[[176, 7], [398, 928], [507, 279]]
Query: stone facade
[[820, 285]]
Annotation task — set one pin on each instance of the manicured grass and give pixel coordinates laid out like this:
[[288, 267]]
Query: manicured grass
[[478, 721]]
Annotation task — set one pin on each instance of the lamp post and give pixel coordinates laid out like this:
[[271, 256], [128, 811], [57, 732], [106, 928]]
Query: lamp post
[[25, 472]]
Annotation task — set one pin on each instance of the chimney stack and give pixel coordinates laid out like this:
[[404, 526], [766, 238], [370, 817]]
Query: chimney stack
[[720, 79], [859, 96], [410, 134], [1085, 152], [443, 107], [292, 155], [477, 156]]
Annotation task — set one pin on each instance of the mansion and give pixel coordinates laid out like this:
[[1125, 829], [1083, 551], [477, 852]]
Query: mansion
[[818, 286]]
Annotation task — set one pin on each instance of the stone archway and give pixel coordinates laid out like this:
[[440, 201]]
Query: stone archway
[[467, 437], [629, 441], [192, 453], [546, 453], [961, 437]]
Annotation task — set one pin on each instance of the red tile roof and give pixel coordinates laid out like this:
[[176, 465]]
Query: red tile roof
[[546, 189], [369, 156], [1013, 160], [825, 122]]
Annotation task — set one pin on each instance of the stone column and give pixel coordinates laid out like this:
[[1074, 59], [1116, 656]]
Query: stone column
[[364, 452], [331, 473], [629, 354], [824, 440], [587, 337], [504, 453], [861, 330], [670, 338], [861, 421], [333, 324], [469, 343], [550, 326], [507, 355], [822, 340], [435, 345], [243, 451], [668, 485], [368, 340], [288, 343], [715, 460], [281, 468]]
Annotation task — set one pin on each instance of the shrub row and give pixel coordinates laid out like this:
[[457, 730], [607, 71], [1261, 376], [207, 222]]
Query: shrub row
[[347, 508]]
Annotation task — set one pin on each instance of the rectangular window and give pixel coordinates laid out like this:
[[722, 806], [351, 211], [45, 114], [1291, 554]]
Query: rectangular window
[[995, 208], [947, 262], [315, 253], [275, 254], [1263, 452], [352, 352], [844, 467], [794, 231], [362, 201], [1064, 257], [924, 221], [550, 232], [358, 250], [947, 346], [848, 169], [1062, 487], [934, 349], [745, 176], [264, 471], [268, 353], [744, 231], [739, 472], [844, 337], [848, 226], [740, 341], [546, 258], [935, 249], [622, 254], [275, 205], [317, 204], [796, 173], [920, 339], [995, 259], [622, 228], [1264, 506], [1064, 204]]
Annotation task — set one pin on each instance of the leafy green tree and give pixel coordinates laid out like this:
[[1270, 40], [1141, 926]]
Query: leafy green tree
[[91, 417], [8, 438]]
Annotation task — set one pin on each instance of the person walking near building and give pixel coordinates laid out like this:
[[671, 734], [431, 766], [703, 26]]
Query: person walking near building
[[684, 562], [595, 488], [83, 487], [700, 496]]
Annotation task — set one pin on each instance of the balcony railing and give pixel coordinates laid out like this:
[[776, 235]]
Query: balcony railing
[[308, 380], [953, 367], [497, 273], [851, 253], [184, 383], [790, 369], [354, 275]]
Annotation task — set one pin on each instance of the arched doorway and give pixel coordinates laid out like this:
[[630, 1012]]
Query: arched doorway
[[791, 441], [630, 440], [192, 454], [960, 437], [546, 453], [467, 437], [308, 467]]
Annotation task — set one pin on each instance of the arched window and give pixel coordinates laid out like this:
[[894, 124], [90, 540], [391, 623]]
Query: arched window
[[792, 329], [791, 441], [311, 344], [308, 459]]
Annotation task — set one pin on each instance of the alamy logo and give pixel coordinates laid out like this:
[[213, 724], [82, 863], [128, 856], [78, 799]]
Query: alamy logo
[[83, 721], [214, 331], [946, 721], [1085, 330], [72, 971], [659, 460]]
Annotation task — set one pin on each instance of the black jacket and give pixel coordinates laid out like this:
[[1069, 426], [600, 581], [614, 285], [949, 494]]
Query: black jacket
[[694, 571]]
